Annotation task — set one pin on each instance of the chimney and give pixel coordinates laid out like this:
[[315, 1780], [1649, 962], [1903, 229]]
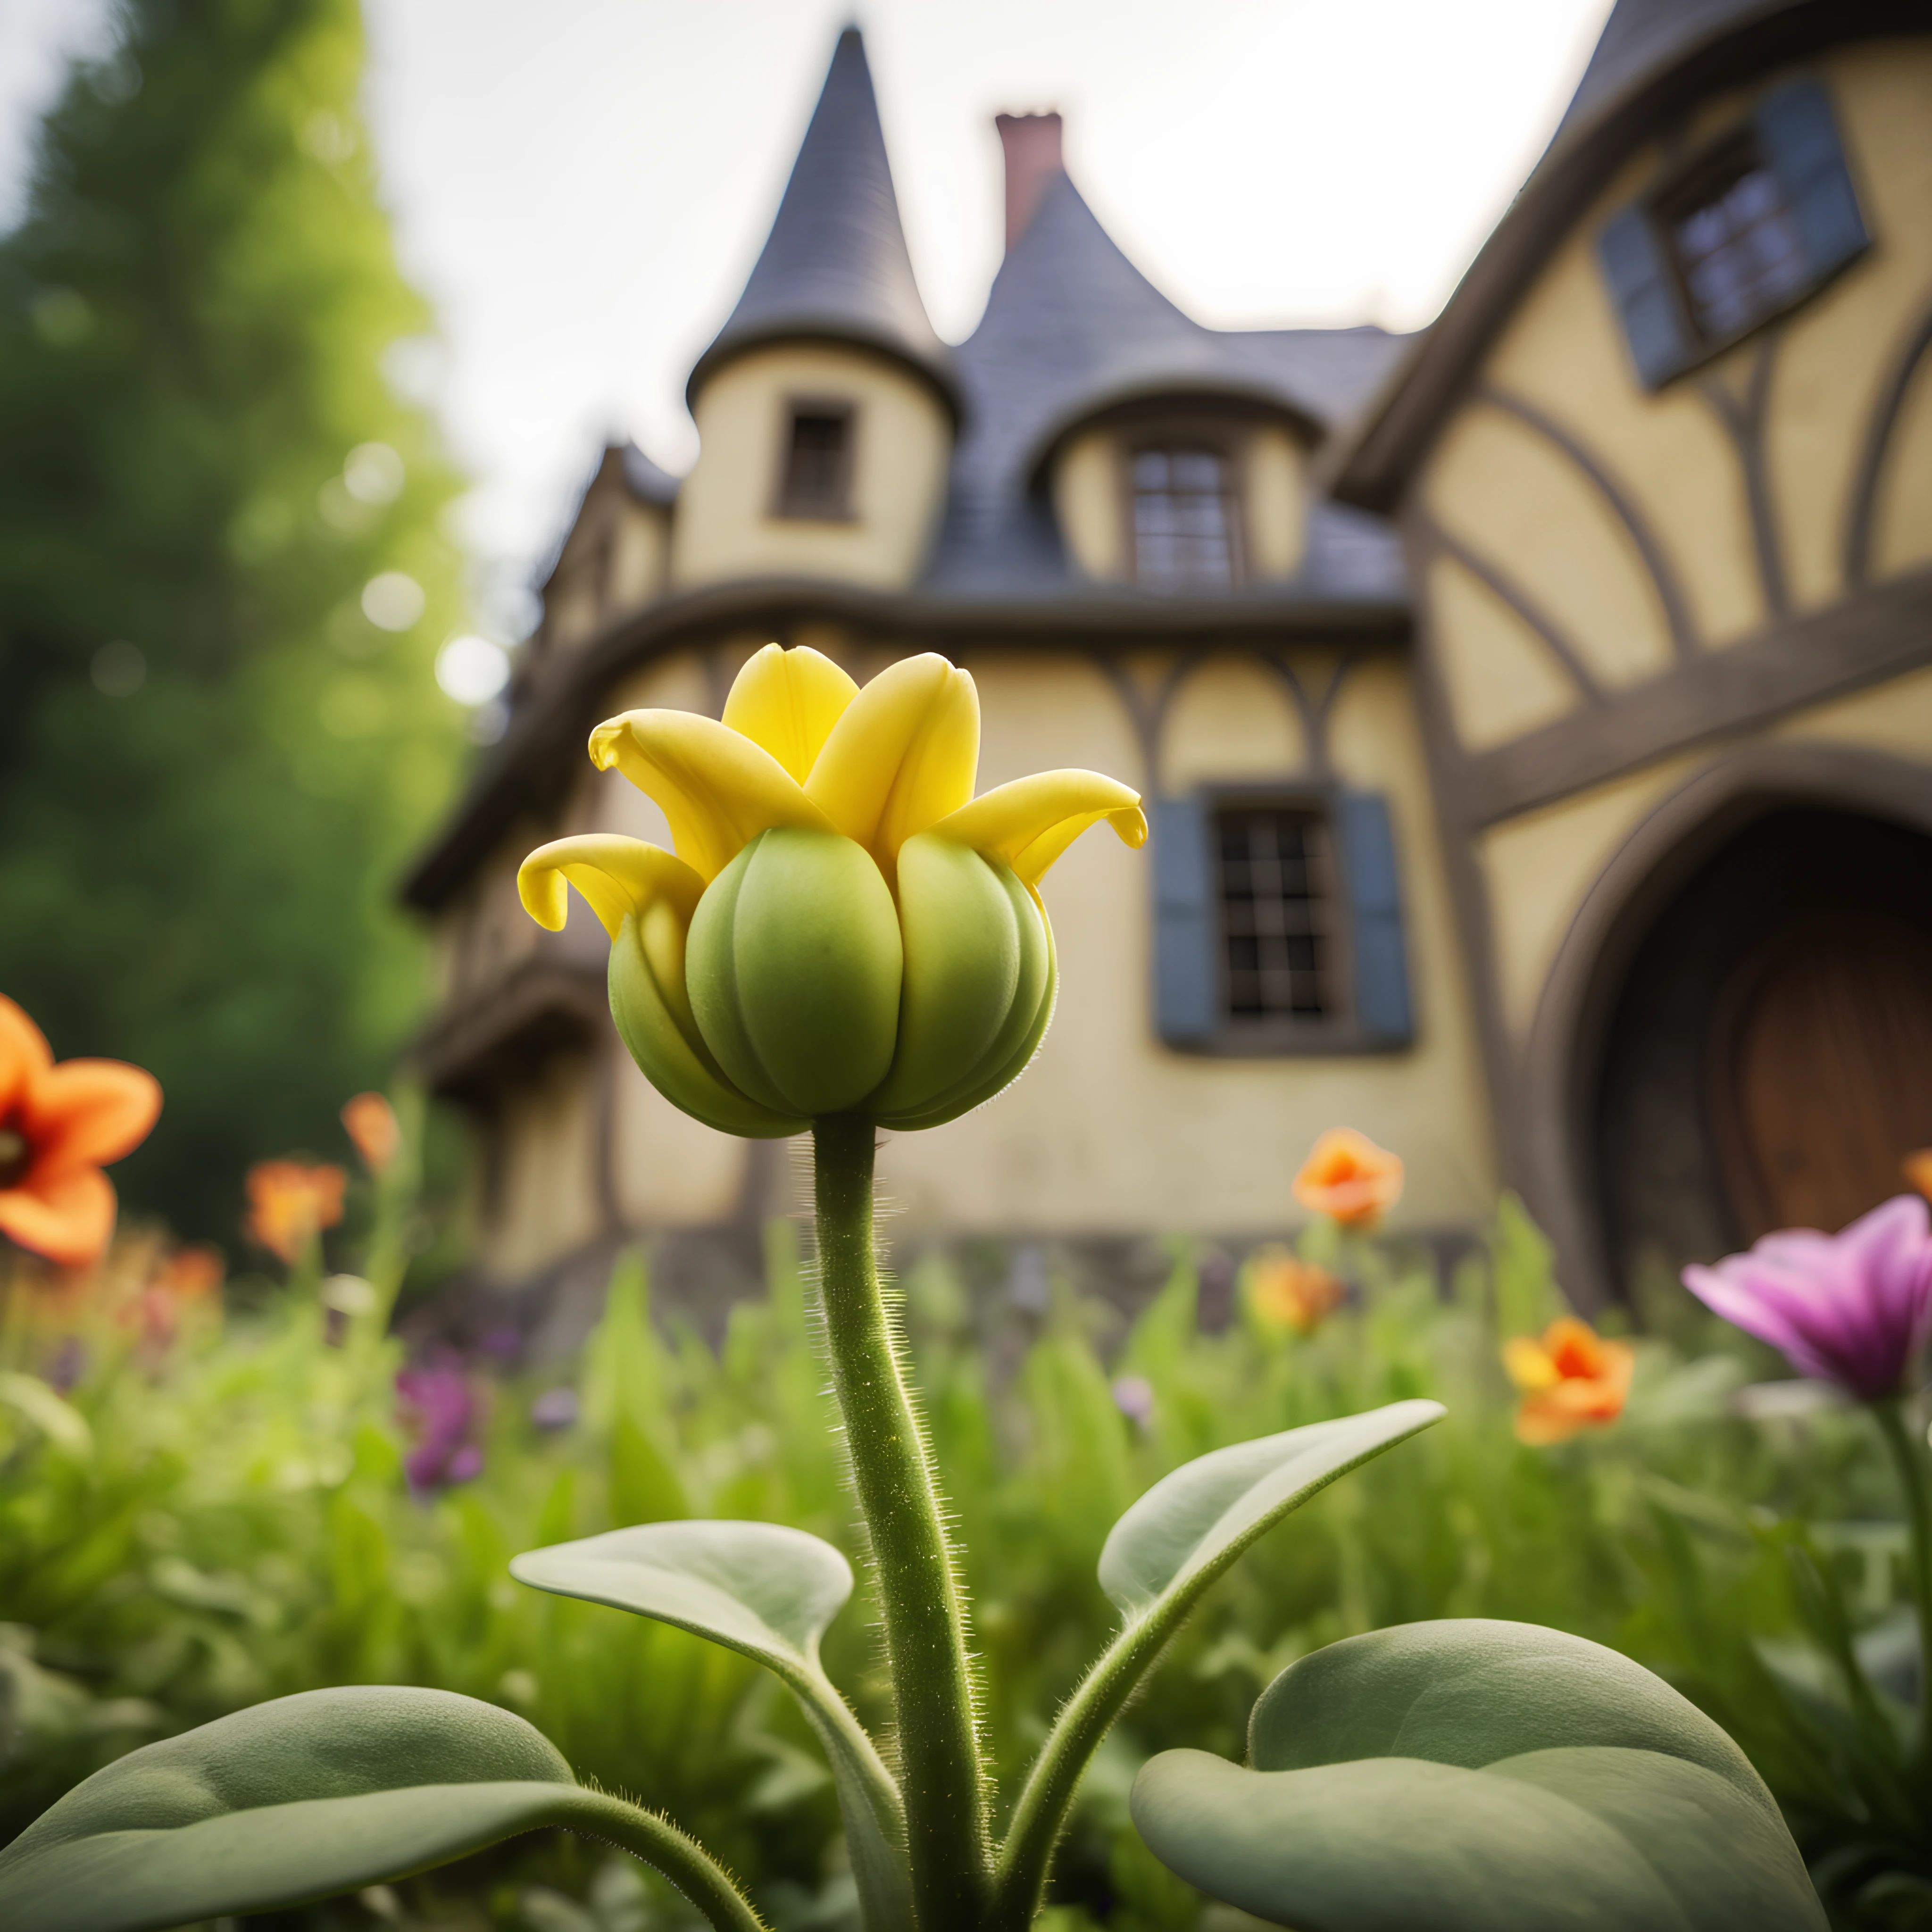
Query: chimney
[[1032, 145]]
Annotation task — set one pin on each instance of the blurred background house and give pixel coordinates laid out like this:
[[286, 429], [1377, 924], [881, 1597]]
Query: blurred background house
[[1535, 716]]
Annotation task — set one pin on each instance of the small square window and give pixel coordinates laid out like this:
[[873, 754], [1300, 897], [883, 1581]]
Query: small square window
[[816, 478], [1183, 503], [1739, 255], [1277, 909]]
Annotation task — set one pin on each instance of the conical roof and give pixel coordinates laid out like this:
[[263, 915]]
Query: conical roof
[[1071, 327], [835, 267]]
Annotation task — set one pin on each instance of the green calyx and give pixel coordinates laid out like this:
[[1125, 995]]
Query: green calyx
[[802, 990]]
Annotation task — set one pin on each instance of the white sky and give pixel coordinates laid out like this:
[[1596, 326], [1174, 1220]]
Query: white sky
[[580, 186]]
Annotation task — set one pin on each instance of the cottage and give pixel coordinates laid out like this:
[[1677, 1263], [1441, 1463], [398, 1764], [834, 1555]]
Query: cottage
[[1535, 716]]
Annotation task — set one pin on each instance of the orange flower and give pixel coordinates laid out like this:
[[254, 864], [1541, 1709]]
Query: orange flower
[[1919, 1171], [1348, 1176], [1287, 1292], [290, 1202], [59, 1126], [371, 1123], [1572, 1379]]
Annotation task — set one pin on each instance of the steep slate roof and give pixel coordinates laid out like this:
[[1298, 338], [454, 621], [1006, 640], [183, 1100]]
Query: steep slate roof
[[1654, 60], [1071, 327], [1643, 36], [835, 266]]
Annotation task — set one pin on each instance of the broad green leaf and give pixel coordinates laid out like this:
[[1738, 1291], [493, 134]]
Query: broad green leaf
[[1192, 1524], [1160, 1558], [310, 1795], [761, 1587], [1455, 1777], [768, 1591]]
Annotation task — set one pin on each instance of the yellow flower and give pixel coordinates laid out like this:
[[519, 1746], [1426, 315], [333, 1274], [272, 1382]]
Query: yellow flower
[[843, 927]]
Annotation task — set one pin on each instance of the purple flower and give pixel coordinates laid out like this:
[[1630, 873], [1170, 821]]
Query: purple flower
[[555, 1408], [1133, 1397], [441, 1409], [1851, 1308]]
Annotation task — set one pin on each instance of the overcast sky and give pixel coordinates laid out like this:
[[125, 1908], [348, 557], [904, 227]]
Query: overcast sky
[[580, 186]]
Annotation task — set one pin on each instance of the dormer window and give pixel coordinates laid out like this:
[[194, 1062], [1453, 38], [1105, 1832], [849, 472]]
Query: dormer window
[[815, 480], [1184, 520], [1749, 228], [1737, 252]]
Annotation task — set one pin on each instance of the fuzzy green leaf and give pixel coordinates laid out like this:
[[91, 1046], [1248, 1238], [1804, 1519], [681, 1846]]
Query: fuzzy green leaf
[[1187, 1529], [291, 1801], [310, 1795], [1454, 1776], [769, 1592]]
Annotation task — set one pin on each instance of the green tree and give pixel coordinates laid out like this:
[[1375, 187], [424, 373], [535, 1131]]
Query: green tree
[[213, 762]]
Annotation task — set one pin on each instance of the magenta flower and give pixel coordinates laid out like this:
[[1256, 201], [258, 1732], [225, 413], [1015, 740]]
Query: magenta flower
[[1851, 1308]]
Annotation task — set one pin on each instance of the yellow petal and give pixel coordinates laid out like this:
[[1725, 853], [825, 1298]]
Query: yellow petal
[[902, 757], [1528, 1364], [1030, 822], [616, 875], [787, 702], [718, 790]]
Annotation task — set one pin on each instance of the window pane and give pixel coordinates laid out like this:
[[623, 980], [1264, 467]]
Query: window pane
[[1737, 248], [816, 464], [1276, 900], [1181, 519]]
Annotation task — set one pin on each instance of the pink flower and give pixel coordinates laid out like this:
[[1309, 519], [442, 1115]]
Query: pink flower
[[1851, 1308]]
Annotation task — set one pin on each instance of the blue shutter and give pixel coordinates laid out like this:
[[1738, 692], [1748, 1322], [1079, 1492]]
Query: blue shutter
[[1631, 256], [1186, 923], [1800, 140], [1375, 902]]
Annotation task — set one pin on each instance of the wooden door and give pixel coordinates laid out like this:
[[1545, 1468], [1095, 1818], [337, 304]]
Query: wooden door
[[1821, 1072]]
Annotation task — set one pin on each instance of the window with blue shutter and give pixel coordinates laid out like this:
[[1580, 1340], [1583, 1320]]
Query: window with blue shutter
[[1645, 292], [1278, 924], [1187, 930], [1754, 224], [1382, 1012]]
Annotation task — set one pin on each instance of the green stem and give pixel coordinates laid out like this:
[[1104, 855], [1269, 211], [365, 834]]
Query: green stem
[[1040, 1815], [941, 1778], [1908, 1453], [661, 1845]]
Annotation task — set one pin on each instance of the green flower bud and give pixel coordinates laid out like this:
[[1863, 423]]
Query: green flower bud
[[979, 986], [794, 969]]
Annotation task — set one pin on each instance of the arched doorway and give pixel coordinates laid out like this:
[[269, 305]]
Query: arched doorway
[[1820, 1074], [1769, 1061]]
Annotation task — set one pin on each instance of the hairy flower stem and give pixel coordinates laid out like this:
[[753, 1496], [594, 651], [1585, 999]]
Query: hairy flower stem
[[940, 1772], [1904, 1439]]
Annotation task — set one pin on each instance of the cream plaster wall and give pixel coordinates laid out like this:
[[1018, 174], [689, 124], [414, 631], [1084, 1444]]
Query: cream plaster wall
[[1087, 502], [723, 526], [1895, 718], [1231, 717], [1108, 1131], [545, 1170], [1902, 520], [641, 555], [1502, 679], [670, 1172], [1538, 869], [1518, 502], [1839, 351], [1273, 499]]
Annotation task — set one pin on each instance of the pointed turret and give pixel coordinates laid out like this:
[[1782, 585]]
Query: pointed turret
[[835, 267]]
